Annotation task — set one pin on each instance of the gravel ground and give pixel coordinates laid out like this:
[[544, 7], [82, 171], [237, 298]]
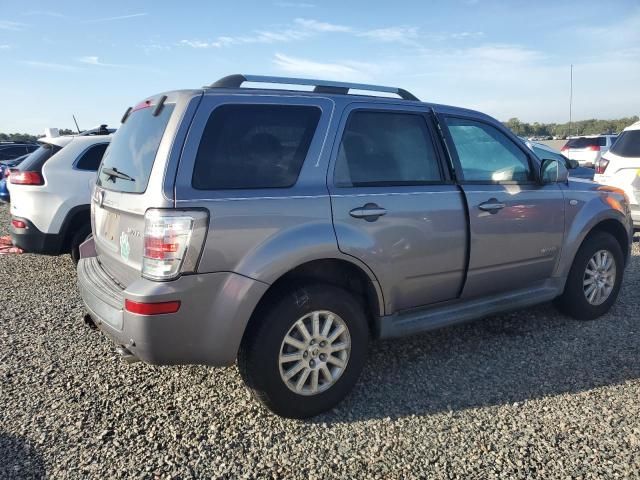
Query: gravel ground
[[529, 394]]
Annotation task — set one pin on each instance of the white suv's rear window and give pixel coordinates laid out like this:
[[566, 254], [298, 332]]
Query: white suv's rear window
[[126, 165], [627, 144]]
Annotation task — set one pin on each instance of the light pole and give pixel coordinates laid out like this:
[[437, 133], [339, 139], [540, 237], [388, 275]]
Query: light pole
[[570, 99]]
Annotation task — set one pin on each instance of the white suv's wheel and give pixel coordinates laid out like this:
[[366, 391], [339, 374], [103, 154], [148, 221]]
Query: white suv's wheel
[[305, 352]]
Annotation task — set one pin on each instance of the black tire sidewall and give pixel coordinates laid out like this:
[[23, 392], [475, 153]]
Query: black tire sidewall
[[78, 238], [573, 300], [263, 349]]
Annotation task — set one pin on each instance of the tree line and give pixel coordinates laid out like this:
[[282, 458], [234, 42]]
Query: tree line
[[27, 137], [563, 130]]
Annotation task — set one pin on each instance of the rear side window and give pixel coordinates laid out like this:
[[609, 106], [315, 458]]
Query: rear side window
[[35, 161], [127, 164], [627, 144], [254, 146], [91, 158], [583, 142], [486, 154], [384, 149]]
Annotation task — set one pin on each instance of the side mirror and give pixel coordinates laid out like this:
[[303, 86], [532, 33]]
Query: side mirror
[[553, 171], [573, 164]]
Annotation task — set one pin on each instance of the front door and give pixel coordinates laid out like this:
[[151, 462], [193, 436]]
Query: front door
[[516, 224], [394, 206]]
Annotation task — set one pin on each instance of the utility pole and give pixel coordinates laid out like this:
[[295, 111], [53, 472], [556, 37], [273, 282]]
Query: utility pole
[[571, 100]]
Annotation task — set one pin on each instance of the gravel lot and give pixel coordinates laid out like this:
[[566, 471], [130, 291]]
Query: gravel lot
[[529, 394]]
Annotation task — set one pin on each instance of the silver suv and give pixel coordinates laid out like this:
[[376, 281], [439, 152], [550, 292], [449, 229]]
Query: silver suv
[[284, 229]]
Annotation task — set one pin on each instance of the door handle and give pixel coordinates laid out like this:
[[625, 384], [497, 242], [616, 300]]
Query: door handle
[[492, 205], [369, 212]]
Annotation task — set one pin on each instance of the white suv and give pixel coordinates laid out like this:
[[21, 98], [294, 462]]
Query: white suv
[[588, 149], [50, 192], [620, 167]]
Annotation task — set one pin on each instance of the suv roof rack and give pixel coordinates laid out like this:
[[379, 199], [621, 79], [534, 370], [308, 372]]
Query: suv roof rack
[[321, 86]]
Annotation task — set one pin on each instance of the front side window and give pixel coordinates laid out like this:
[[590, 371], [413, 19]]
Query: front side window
[[386, 148], [486, 154], [547, 155], [254, 146], [91, 158]]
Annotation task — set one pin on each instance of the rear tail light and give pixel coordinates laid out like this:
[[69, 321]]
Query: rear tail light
[[593, 148], [157, 308], [18, 223], [18, 177], [602, 165], [173, 241], [564, 149], [6, 173]]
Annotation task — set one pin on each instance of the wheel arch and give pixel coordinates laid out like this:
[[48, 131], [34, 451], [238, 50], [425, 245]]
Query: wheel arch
[[76, 217]]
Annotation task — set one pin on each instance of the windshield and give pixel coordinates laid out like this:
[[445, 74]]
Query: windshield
[[627, 144], [126, 165]]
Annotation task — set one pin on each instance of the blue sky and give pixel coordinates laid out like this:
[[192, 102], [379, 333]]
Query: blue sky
[[508, 59]]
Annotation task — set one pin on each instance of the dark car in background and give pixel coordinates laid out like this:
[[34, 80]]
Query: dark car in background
[[5, 168], [13, 150]]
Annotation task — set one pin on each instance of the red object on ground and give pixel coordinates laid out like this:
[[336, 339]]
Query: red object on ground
[[6, 246]]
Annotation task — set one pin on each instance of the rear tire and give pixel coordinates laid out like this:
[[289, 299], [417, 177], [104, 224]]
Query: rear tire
[[590, 295], [317, 370], [82, 234]]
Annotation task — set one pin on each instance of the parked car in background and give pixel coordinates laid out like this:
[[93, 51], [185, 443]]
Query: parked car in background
[[12, 150], [587, 149], [286, 228], [575, 170], [50, 193], [620, 167], [5, 169]]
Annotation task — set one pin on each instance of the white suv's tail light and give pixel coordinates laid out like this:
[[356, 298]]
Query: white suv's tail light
[[173, 241]]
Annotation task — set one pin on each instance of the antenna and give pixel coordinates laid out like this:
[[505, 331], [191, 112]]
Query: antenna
[[76, 122], [570, 98]]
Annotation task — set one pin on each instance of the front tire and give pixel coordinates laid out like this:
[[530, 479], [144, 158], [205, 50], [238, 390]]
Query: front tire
[[594, 280], [304, 353]]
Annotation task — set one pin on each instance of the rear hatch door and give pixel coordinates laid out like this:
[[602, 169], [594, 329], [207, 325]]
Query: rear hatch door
[[137, 173]]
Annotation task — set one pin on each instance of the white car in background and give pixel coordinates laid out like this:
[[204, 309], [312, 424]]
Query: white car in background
[[51, 189], [544, 152], [620, 167], [588, 149]]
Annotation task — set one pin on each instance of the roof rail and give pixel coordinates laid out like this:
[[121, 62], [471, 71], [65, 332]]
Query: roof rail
[[321, 86]]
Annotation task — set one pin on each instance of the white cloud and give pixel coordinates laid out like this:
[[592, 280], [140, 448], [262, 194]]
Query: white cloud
[[12, 26], [5, 46], [345, 71], [49, 66], [407, 35], [317, 26], [120, 17]]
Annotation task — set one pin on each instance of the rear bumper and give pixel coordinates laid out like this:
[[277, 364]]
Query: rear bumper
[[207, 329], [32, 240]]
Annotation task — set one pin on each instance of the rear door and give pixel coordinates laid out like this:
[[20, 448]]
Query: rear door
[[516, 224], [394, 205], [133, 177]]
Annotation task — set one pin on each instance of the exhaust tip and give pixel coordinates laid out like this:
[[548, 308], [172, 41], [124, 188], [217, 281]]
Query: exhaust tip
[[126, 354]]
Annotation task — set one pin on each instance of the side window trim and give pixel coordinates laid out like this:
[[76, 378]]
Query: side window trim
[[456, 159], [445, 178]]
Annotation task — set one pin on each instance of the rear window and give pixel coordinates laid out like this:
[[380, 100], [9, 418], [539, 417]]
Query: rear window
[[627, 144], [133, 150], [586, 142], [35, 161], [254, 146]]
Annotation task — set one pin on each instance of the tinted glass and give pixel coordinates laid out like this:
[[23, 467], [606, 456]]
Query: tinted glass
[[547, 155], [90, 160], [133, 150], [385, 148], [486, 154], [627, 144], [584, 142], [254, 146], [7, 153], [35, 161]]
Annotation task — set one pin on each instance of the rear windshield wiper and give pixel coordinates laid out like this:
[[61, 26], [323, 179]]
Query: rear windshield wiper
[[112, 173]]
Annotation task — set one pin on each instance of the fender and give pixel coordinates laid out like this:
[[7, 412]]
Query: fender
[[584, 216], [295, 246]]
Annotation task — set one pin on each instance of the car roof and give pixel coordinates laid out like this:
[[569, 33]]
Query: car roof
[[634, 126]]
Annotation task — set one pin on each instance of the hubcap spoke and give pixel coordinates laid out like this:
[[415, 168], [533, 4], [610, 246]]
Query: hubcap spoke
[[314, 352]]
